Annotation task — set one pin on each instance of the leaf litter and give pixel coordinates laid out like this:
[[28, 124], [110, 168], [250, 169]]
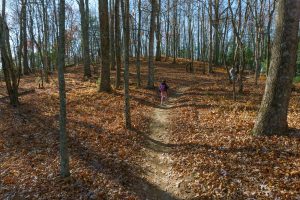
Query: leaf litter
[[212, 149]]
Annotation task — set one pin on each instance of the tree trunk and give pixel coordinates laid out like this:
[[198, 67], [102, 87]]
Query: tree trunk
[[210, 68], [117, 42], [150, 84], [24, 39], [158, 37], [198, 34], [203, 49], [64, 154], [83, 7], [138, 54], [7, 62], [167, 31], [45, 41], [223, 41], [216, 36], [257, 56], [112, 36], [272, 116], [174, 30], [32, 57], [104, 32], [126, 65], [270, 14]]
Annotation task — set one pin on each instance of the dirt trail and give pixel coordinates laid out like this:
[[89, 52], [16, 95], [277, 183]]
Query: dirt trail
[[158, 161]]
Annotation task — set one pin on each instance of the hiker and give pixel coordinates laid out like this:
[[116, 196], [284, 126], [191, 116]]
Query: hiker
[[163, 89], [232, 73]]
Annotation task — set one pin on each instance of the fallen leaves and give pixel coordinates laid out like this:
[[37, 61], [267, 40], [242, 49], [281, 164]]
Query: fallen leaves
[[214, 153]]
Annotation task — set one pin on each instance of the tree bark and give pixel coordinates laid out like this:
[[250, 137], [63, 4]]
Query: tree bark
[[270, 14], [138, 54], [45, 41], [83, 7], [117, 42], [150, 84], [104, 32], [126, 65], [174, 30], [210, 68], [272, 116], [64, 154], [24, 37], [7, 62], [158, 37], [112, 37], [167, 31], [32, 57], [217, 37]]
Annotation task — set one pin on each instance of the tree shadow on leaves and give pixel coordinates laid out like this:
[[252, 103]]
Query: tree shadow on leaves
[[108, 164]]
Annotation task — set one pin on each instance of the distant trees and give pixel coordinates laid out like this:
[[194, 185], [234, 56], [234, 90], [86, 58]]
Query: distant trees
[[169, 29], [272, 116]]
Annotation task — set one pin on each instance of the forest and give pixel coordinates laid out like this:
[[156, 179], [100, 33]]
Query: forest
[[150, 99]]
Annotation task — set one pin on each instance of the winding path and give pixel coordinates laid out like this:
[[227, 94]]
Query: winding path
[[157, 162]]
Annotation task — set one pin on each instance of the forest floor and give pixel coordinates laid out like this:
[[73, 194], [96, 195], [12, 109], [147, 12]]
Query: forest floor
[[198, 146]]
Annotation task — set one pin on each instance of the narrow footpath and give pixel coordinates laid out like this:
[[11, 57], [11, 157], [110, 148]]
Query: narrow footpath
[[157, 163]]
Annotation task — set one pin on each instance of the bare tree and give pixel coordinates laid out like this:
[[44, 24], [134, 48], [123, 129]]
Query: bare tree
[[151, 46], [7, 60], [138, 53], [64, 154], [112, 36], [23, 31], [126, 64], [271, 9], [210, 61], [104, 83], [117, 43], [158, 33], [84, 12]]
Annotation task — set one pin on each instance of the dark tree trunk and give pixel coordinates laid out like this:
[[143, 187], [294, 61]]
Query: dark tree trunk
[[117, 42], [64, 154], [138, 55], [270, 14], [272, 116], [150, 84], [83, 7], [174, 29], [24, 35], [158, 34], [46, 41], [126, 65], [7, 62], [216, 36], [167, 31], [32, 58], [210, 68], [104, 31], [112, 36]]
